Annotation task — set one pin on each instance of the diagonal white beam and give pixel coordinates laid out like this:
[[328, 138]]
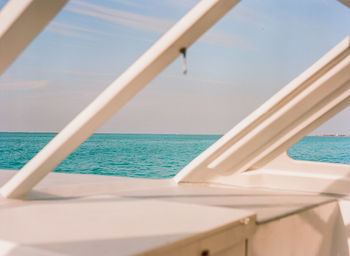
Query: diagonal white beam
[[20, 22], [205, 14], [301, 106], [345, 2]]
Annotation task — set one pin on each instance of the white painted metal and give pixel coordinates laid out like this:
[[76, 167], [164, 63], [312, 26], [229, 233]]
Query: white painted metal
[[309, 100], [318, 231], [20, 22], [124, 227], [304, 176], [159, 56], [345, 2]]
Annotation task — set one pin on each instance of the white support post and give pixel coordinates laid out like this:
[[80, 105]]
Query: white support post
[[205, 14], [20, 22]]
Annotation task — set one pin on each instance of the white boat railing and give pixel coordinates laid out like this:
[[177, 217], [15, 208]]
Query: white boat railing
[[260, 141], [310, 99], [20, 22]]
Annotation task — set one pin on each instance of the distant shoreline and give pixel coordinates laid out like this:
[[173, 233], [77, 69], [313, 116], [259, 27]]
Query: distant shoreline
[[190, 134], [332, 135], [121, 133]]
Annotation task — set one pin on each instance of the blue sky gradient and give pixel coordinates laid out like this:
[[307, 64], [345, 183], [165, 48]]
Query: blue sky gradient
[[249, 55]]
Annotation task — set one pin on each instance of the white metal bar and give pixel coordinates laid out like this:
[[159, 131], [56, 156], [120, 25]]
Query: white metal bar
[[160, 55], [305, 103], [20, 22], [345, 2]]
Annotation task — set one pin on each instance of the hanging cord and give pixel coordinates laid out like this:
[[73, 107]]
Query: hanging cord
[[183, 52]]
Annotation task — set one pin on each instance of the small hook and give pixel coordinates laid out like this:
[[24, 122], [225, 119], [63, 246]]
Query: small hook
[[183, 52]]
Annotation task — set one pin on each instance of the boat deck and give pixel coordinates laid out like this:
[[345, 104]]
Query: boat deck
[[85, 214], [268, 204]]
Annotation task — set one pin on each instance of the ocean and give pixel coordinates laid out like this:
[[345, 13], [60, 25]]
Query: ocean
[[148, 155]]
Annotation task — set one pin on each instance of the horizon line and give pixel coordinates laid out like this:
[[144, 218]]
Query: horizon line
[[135, 133]]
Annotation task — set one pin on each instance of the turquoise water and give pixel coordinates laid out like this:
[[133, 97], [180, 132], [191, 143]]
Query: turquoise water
[[322, 149], [148, 155]]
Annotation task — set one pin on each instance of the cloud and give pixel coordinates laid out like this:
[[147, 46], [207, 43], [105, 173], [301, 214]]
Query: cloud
[[129, 3], [73, 30], [197, 79], [23, 85], [80, 72], [129, 19], [79, 32], [150, 24], [67, 30]]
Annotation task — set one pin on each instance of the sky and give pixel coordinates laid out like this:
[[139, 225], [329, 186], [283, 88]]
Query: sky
[[249, 55]]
